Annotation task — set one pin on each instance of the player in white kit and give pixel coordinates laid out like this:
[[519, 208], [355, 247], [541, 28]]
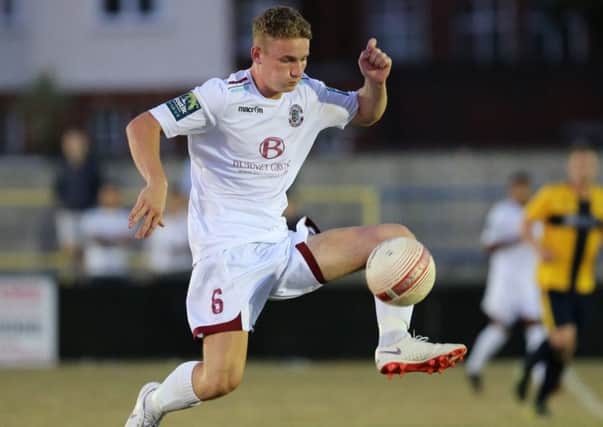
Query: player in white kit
[[511, 291], [248, 136]]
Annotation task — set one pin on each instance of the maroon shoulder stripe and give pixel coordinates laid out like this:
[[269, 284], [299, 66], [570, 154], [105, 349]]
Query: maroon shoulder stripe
[[234, 82]]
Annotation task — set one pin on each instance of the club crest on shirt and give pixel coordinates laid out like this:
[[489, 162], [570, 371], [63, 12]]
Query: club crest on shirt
[[184, 105], [296, 115]]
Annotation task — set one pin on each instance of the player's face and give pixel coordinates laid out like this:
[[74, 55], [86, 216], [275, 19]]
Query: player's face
[[520, 191], [583, 167], [109, 197], [280, 64], [75, 146]]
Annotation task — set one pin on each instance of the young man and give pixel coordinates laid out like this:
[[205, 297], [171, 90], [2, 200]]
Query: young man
[[511, 291], [572, 213], [248, 137]]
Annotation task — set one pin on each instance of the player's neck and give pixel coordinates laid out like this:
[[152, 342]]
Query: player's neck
[[582, 188], [262, 87]]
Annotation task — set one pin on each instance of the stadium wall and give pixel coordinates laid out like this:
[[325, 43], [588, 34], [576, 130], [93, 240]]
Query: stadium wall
[[336, 322]]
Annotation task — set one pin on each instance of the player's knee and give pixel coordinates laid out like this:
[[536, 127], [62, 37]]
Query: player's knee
[[563, 340], [390, 231]]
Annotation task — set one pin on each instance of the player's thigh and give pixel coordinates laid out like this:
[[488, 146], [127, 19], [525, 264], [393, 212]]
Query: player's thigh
[[342, 251], [224, 359]]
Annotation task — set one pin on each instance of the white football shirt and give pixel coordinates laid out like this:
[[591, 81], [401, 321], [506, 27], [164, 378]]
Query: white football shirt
[[503, 224], [245, 151]]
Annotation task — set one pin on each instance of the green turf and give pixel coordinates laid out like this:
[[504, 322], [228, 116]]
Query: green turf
[[334, 394]]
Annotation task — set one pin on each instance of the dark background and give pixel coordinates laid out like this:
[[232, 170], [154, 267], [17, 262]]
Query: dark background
[[134, 322]]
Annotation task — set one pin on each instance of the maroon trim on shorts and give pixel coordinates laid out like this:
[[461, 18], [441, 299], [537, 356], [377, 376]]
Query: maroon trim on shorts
[[233, 325], [304, 250], [311, 224]]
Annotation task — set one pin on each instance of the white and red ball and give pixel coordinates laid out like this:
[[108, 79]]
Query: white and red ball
[[400, 271]]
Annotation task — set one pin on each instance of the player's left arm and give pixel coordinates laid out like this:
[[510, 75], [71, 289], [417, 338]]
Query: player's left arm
[[375, 65]]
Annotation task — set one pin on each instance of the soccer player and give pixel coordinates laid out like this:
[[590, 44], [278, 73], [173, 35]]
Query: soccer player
[[511, 290], [572, 213], [248, 136]]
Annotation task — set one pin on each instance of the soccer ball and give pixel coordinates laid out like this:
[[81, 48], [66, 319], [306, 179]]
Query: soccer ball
[[400, 271]]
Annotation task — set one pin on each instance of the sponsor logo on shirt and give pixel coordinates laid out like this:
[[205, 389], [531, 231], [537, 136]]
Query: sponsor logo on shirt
[[184, 105], [248, 109], [257, 168], [296, 115], [272, 147]]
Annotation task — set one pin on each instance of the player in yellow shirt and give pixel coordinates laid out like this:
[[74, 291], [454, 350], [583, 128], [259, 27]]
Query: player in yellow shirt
[[572, 215]]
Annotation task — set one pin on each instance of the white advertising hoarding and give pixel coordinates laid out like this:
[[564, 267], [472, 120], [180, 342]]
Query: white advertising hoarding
[[28, 321]]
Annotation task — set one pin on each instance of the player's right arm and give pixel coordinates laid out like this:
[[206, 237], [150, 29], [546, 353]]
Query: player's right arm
[[537, 210], [143, 138], [189, 114]]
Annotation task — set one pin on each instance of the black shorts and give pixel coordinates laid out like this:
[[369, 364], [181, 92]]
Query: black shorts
[[564, 308]]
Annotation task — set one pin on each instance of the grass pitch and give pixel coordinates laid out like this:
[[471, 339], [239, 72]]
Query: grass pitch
[[332, 394]]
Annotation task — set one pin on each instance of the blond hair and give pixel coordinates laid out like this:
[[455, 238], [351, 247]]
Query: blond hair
[[281, 22]]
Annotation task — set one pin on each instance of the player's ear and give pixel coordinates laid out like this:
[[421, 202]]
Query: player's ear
[[256, 54]]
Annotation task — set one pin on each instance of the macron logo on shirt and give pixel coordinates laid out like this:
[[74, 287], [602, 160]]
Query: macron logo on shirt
[[254, 109]]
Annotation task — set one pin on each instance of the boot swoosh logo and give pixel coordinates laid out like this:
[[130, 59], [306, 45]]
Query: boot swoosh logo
[[396, 352]]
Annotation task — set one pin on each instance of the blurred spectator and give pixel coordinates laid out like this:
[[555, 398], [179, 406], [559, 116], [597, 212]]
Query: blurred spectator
[[76, 189], [167, 251], [106, 238]]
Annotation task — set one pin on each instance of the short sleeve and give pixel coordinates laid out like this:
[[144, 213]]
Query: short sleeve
[[498, 227], [338, 107], [538, 207], [193, 112]]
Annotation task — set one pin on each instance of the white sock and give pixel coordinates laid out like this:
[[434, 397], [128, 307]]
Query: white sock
[[534, 335], [488, 342], [176, 391], [393, 322]]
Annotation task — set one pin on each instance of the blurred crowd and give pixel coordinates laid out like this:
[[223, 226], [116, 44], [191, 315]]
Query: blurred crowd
[[91, 223]]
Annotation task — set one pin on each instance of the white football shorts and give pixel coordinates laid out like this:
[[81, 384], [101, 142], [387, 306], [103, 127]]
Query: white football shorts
[[512, 296], [228, 291]]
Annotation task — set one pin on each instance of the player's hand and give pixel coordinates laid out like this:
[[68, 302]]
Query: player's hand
[[375, 65], [149, 208]]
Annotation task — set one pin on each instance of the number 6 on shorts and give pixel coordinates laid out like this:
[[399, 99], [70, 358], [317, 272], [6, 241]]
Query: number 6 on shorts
[[217, 305]]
